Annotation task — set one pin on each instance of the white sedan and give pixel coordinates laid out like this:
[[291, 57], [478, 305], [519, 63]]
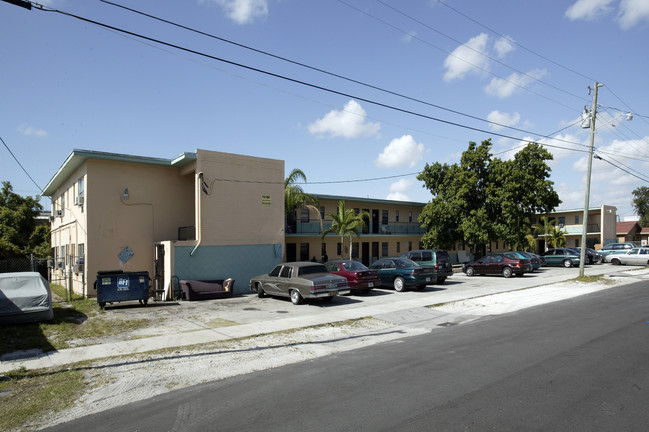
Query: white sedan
[[636, 256]]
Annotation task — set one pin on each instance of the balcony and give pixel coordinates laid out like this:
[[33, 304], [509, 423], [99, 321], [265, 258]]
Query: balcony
[[397, 228]]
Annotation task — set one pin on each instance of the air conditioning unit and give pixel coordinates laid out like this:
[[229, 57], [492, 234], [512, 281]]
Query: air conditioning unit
[[58, 213], [60, 264], [78, 201], [78, 268]]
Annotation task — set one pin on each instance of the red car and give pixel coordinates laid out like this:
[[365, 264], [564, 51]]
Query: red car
[[359, 277]]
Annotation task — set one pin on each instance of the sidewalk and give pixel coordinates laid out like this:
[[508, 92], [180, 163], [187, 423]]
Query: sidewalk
[[458, 302]]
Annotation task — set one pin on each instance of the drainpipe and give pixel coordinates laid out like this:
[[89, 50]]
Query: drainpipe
[[198, 220]]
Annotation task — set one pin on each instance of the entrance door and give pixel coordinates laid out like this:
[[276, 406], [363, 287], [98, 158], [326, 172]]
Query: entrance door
[[375, 222], [375, 251], [365, 253], [291, 252]]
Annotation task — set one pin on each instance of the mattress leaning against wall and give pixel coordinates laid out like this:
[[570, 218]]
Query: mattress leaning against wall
[[24, 297]]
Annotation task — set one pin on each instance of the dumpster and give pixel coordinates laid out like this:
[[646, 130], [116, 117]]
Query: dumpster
[[118, 286]]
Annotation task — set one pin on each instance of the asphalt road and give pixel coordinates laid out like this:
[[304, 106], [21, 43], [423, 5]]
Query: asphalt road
[[577, 365]]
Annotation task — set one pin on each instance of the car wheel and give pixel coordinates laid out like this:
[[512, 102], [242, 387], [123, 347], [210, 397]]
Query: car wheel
[[470, 271], [567, 263], [296, 297], [615, 261], [102, 305], [441, 280], [260, 290], [507, 272], [399, 284]]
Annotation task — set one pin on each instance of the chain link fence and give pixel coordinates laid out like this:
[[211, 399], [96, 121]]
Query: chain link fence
[[27, 264]]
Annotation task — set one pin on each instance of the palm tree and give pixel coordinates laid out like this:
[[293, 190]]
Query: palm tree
[[346, 223], [295, 197], [556, 237], [544, 228]]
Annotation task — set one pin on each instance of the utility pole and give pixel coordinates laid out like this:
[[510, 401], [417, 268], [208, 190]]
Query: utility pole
[[593, 114]]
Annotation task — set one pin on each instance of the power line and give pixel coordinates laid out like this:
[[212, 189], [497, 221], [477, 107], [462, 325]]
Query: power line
[[300, 82], [21, 165], [479, 52], [297, 63]]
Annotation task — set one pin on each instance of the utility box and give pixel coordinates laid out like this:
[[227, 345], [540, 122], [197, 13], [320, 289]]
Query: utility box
[[116, 286]]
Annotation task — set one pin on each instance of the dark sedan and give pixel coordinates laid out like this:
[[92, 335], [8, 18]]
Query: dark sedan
[[402, 273], [561, 257], [359, 277], [505, 264]]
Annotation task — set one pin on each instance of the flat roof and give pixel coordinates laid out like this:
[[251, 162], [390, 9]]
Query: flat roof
[[77, 157], [367, 200]]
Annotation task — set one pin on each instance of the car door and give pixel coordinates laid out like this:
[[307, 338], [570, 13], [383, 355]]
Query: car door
[[496, 265], [643, 257], [551, 257], [635, 257], [482, 265], [388, 271], [284, 280]]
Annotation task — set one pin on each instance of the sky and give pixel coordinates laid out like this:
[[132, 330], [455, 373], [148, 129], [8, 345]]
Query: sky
[[359, 94]]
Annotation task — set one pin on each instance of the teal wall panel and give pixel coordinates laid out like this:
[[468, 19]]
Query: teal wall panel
[[221, 262]]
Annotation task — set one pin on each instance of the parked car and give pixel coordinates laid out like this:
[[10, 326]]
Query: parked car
[[359, 277], [562, 257], [435, 258], [616, 248], [402, 273], [505, 264], [636, 256], [534, 259], [591, 256], [299, 281]]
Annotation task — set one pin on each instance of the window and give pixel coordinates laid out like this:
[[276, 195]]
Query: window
[[396, 216], [81, 250], [384, 217], [577, 220], [323, 249], [576, 242], [322, 212], [63, 203], [357, 211], [410, 216], [409, 246], [562, 221], [398, 243], [339, 249], [384, 249], [286, 272], [275, 271], [355, 250]]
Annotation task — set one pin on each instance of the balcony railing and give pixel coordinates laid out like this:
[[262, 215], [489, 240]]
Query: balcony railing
[[397, 228]]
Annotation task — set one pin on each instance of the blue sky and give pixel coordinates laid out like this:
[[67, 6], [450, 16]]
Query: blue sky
[[467, 68]]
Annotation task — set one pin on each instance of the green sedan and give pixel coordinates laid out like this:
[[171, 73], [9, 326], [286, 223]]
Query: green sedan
[[561, 257]]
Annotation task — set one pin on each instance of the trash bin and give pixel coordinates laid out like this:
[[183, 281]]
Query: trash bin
[[118, 286]]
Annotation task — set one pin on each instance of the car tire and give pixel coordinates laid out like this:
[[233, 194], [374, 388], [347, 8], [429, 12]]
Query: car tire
[[567, 263], [296, 297], [260, 291], [470, 271], [507, 272], [399, 284], [441, 280], [616, 261]]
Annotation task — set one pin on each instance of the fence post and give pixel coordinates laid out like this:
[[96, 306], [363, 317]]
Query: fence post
[[31, 262]]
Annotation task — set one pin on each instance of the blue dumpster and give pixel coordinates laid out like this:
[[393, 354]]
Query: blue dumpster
[[118, 286]]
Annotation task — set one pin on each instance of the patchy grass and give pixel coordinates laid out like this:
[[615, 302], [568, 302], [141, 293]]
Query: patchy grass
[[593, 279], [27, 396], [74, 320]]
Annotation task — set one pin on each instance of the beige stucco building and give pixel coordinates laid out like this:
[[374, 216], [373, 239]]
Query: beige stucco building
[[204, 215]]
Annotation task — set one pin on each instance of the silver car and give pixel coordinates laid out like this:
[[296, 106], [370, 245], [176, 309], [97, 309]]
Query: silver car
[[635, 256], [299, 281]]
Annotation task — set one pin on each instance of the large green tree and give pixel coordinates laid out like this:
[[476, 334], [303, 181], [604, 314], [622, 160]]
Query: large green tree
[[346, 223], [483, 199], [295, 197], [19, 234], [641, 204]]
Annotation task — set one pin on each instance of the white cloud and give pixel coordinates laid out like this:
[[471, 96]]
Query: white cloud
[[467, 58], [588, 10], [243, 11], [502, 118], [348, 123], [408, 37], [505, 87], [399, 188], [503, 46], [632, 12], [401, 152], [27, 130]]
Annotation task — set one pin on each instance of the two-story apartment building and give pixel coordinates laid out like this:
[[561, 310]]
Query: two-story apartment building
[[391, 229], [204, 215]]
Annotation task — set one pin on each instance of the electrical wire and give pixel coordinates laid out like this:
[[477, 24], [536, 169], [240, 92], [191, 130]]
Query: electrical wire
[[20, 165], [296, 81], [323, 71]]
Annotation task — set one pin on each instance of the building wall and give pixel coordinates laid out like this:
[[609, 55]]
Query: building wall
[[160, 200]]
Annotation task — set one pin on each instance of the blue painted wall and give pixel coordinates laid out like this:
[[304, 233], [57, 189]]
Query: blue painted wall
[[221, 262]]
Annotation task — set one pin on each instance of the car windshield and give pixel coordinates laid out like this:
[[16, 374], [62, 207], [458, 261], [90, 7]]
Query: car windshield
[[311, 269], [405, 263], [512, 256], [353, 265]]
